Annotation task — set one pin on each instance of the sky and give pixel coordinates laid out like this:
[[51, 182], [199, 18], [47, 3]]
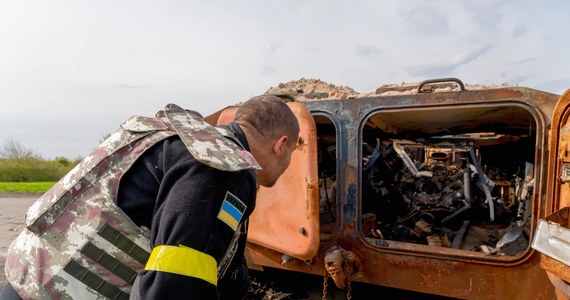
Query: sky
[[72, 70]]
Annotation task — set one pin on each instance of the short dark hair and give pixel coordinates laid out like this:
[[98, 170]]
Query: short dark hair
[[269, 115]]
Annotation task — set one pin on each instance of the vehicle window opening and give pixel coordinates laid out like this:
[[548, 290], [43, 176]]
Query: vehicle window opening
[[458, 178], [327, 167]]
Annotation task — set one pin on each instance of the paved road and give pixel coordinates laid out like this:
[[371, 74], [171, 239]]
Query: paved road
[[13, 208]]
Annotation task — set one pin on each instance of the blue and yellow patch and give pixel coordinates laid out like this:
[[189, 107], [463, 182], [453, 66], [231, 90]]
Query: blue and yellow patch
[[231, 211]]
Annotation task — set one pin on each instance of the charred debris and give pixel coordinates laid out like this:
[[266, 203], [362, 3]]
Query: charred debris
[[470, 188], [441, 192]]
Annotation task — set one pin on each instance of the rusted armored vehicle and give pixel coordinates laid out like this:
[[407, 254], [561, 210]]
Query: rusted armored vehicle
[[436, 187]]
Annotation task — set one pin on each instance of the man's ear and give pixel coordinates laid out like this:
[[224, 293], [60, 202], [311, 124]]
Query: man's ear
[[279, 144]]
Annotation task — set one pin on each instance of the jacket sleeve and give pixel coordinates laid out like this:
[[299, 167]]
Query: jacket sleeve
[[235, 284], [189, 212]]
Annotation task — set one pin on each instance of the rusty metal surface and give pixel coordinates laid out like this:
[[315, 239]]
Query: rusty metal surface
[[457, 273], [278, 222], [286, 215], [552, 237], [461, 280], [562, 287], [558, 189], [556, 267], [559, 194]]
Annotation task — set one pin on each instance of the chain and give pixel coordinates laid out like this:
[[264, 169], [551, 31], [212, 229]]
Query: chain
[[325, 285], [349, 287]]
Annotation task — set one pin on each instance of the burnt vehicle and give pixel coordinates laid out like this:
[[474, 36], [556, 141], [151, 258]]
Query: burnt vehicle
[[434, 187]]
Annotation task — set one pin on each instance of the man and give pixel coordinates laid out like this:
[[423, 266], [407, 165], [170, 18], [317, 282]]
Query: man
[[191, 184]]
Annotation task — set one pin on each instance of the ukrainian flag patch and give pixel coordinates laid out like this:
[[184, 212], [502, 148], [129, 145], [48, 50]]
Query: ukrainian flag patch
[[231, 211]]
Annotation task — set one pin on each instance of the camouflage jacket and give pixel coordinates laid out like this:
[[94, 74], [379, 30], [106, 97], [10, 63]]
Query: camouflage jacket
[[77, 243]]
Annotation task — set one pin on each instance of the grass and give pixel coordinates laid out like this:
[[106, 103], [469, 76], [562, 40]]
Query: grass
[[26, 187]]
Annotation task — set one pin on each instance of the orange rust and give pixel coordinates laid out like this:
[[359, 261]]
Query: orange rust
[[278, 222], [285, 213], [556, 267]]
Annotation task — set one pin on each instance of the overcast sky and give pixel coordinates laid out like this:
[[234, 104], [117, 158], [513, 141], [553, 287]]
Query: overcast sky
[[71, 71]]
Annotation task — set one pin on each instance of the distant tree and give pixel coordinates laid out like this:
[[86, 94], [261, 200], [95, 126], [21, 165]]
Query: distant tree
[[14, 149], [63, 161]]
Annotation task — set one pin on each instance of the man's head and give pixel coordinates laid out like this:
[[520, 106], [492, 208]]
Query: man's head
[[272, 132]]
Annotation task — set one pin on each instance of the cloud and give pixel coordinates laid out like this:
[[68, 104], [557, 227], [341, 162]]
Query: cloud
[[367, 51], [270, 50], [517, 80], [312, 48], [268, 70], [484, 13], [431, 70], [522, 61], [128, 86], [448, 67], [558, 86], [426, 20], [190, 49], [519, 31], [488, 19]]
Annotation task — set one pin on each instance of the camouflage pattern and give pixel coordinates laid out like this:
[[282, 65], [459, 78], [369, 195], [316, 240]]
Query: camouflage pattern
[[73, 212], [198, 139]]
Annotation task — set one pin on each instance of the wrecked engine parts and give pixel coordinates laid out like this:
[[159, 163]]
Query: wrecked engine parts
[[439, 194]]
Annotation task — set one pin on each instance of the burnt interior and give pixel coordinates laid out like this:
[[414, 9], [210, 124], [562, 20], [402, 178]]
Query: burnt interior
[[458, 177], [327, 168]]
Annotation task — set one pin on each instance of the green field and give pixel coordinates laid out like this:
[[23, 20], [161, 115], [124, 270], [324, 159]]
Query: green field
[[26, 187]]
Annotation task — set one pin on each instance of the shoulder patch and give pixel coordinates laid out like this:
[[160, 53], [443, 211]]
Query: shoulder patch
[[231, 211]]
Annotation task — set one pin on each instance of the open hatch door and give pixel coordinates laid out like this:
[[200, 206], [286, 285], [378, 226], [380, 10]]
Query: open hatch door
[[286, 216], [552, 235]]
